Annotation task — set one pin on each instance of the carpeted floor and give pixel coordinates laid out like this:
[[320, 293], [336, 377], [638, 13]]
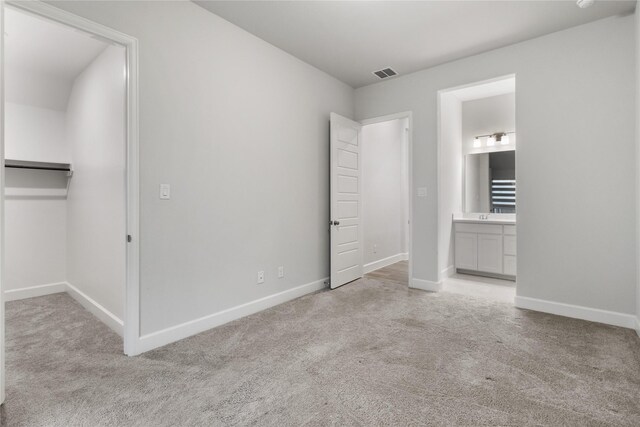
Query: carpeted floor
[[369, 353]]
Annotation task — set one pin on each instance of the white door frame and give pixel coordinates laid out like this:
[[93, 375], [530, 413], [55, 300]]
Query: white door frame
[[409, 116], [2, 353], [131, 327]]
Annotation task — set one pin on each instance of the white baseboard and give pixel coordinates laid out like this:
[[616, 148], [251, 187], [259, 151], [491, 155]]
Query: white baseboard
[[35, 291], [377, 265], [193, 327], [638, 326], [425, 285], [96, 309], [577, 312], [447, 272]]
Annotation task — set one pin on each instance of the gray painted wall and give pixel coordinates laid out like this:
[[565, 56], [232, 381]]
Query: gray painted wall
[[96, 208], [383, 182], [450, 199], [239, 129], [486, 116], [575, 117]]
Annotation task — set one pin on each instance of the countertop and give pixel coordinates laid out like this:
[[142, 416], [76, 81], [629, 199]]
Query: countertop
[[493, 219]]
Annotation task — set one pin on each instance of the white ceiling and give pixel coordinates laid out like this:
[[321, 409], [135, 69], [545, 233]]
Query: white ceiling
[[42, 58], [350, 39]]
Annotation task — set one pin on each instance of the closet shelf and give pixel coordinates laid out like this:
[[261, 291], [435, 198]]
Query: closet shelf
[[28, 164]]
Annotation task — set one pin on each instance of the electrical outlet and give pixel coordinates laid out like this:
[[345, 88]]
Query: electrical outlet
[[260, 277], [375, 249], [280, 272]]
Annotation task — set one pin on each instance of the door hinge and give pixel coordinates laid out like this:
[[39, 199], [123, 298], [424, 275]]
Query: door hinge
[[128, 238]]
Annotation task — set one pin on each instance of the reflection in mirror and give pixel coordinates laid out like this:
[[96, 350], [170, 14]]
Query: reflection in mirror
[[490, 182]]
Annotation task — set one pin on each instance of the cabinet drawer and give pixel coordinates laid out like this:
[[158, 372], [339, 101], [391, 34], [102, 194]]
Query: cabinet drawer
[[509, 265], [510, 245], [478, 228], [510, 230]]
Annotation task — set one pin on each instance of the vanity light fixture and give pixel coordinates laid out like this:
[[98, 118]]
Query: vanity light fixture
[[501, 137]]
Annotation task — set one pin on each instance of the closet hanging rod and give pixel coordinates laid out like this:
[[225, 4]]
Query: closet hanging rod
[[24, 164]]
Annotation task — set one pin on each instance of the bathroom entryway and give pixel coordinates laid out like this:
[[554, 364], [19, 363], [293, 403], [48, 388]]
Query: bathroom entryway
[[370, 221], [461, 284], [477, 189], [483, 287]]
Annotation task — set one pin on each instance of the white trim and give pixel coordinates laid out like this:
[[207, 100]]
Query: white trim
[[35, 291], [384, 262], [387, 118], [448, 272], [478, 83], [638, 326], [425, 285], [577, 312], [108, 318], [196, 326], [2, 269], [109, 35]]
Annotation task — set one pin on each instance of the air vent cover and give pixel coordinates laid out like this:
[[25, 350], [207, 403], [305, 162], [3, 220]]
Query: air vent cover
[[384, 73]]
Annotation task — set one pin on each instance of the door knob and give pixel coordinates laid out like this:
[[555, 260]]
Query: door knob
[[336, 222]]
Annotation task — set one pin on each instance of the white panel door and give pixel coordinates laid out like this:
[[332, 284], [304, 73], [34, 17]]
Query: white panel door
[[345, 223], [490, 253], [466, 249]]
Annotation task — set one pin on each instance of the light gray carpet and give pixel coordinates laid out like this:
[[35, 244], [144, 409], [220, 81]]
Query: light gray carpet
[[369, 353]]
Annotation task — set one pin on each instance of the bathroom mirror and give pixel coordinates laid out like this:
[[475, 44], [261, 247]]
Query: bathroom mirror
[[490, 182]]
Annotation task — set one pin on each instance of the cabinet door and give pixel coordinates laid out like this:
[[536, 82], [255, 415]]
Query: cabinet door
[[490, 253], [466, 251], [510, 245], [510, 265]]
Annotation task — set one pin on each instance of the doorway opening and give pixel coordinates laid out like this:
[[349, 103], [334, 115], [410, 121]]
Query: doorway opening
[[477, 189], [385, 199], [69, 185], [386, 186]]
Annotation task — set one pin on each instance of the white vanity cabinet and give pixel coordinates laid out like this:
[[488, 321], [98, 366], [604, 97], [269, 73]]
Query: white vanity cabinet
[[485, 248]]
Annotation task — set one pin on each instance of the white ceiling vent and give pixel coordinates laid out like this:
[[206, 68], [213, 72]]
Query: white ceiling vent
[[384, 73]]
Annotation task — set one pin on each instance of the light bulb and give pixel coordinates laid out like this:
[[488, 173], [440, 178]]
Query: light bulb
[[491, 141], [477, 143], [583, 4], [505, 139]]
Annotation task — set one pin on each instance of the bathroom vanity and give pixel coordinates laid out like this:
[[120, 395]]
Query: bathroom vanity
[[485, 244]]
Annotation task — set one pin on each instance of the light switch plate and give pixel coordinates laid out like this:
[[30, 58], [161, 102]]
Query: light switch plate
[[165, 191]]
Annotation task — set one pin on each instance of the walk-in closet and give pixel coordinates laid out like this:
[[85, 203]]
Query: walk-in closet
[[65, 166]]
